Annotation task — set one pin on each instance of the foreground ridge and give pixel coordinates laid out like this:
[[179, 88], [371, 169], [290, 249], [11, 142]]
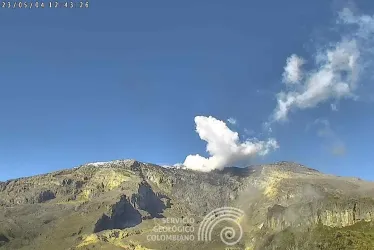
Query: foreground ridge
[[117, 204]]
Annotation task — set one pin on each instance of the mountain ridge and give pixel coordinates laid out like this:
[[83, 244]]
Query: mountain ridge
[[110, 205], [181, 166]]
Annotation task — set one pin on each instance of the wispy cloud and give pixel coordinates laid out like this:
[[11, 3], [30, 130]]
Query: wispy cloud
[[293, 72], [224, 146], [331, 139], [334, 107], [249, 132], [336, 72], [232, 120]]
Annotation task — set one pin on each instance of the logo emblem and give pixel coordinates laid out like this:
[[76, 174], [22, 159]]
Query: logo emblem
[[229, 235]]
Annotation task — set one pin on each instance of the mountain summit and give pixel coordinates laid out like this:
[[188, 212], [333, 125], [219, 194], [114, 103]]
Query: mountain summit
[[123, 204]]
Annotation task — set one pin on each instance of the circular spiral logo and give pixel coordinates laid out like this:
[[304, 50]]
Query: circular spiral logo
[[229, 235]]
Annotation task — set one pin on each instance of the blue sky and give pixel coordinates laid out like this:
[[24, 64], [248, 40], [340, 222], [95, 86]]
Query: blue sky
[[126, 79]]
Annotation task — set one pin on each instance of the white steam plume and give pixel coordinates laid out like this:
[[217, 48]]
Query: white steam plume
[[224, 146]]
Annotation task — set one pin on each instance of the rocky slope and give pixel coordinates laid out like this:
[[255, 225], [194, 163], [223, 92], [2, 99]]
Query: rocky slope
[[120, 204]]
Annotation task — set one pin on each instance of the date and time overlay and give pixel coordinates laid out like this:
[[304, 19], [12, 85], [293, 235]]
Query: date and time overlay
[[44, 4]]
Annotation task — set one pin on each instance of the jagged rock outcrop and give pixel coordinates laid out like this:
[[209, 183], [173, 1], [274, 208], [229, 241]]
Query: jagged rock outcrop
[[122, 215], [330, 212], [147, 200]]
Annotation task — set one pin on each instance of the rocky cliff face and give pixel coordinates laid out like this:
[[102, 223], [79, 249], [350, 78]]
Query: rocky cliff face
[[118, 204], [332, 212]]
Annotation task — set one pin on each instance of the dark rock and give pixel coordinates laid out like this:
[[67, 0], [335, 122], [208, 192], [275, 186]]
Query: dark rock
[[46, 196], [122, 215]]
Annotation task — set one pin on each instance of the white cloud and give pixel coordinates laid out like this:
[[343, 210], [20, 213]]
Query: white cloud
[[334, 107], [232, 121], [337, 71], [249, 131], [266, 126], [292, 71], [224, 147]]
